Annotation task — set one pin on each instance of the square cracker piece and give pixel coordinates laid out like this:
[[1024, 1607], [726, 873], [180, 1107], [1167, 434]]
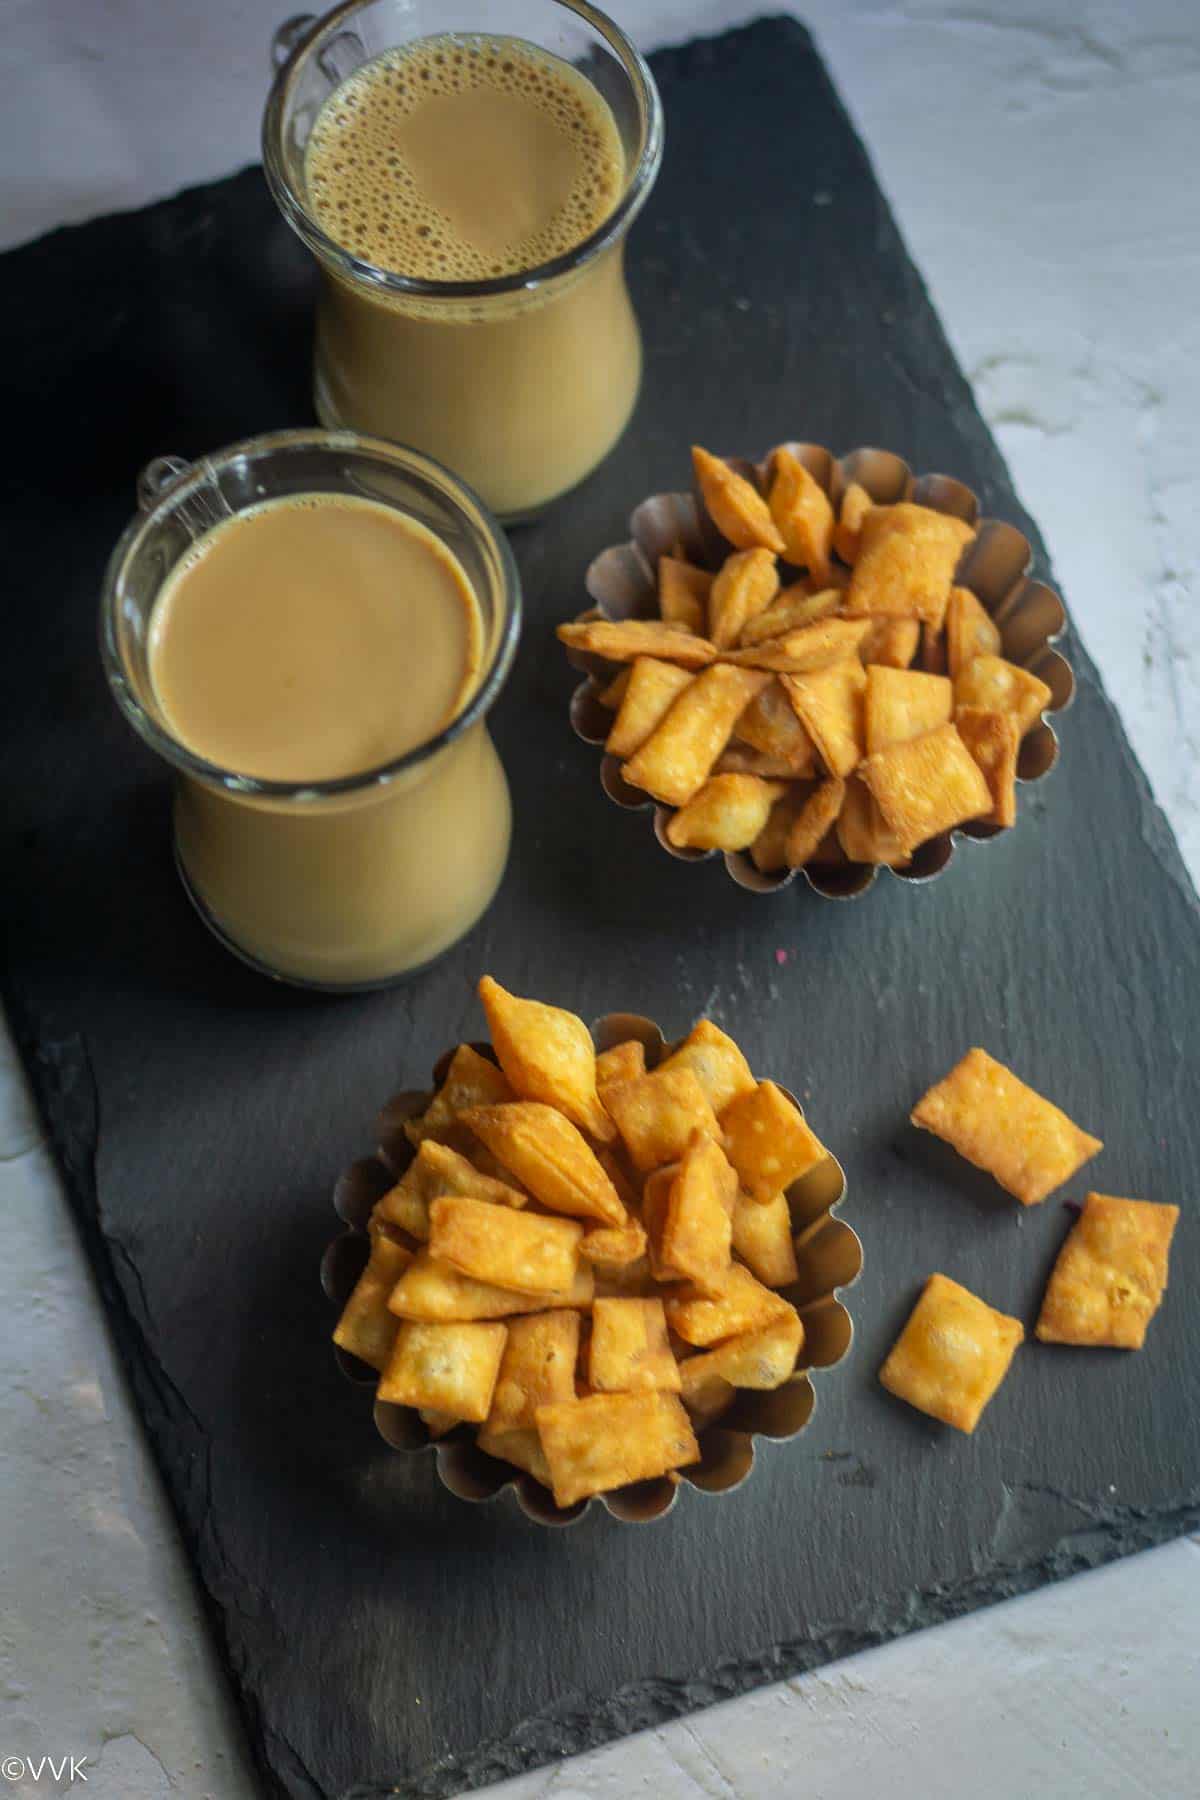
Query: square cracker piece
[[1111, 1274], [903, 704], [471, 1080], [906, 561], [624, 640], [658, 1114], [449, 1367], [994, 739], [654, 686], [745, 1305], [715, 1061], [996, 1122], [927, 785], [1000, 686], [728, 813], [697, 1231], [629, 1352], [768, 1141], [952, 1355], [674, 762], [829, 705], [683, 591], [521, 1250], [366, 1328], [605, 1441], [437, 1169], [537, 1368]]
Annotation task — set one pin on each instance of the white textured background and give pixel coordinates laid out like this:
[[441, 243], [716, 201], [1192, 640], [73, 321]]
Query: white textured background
[[1042, 160]]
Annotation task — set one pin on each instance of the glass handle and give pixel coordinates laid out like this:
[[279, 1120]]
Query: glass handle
[[157, 477], [288, 36]]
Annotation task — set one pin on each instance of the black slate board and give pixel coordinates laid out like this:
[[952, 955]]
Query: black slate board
[[379, 1632]]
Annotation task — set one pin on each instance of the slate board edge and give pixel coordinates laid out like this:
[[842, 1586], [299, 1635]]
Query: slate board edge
[[61, 1076]]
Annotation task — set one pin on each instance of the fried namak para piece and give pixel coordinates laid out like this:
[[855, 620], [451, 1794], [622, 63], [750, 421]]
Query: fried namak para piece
[[677, 758], [998, 1123], [715, 1061], [862, 832], [728, 813], [611, 1248], [605, 1441], [803, 515], [952, 1355], [927, 785], [366, 1328], [652, 689], [814, 818], [656, 1197], [471, 1080], [658, 1114], [745, 1305], [970, 630], [829, 705], [737, 760], [999, 686], [430, 1289], [683, 591], [697, 1232], [762, 1237], [891, 642], [906, 561], [855, 505], [994, 739], [768, 852], [934, 660], [523, 1449], [794, 608], [547, 1054], [768, 1141], [448, 1368], [745, 584], [549, 1156], [736, 508], [620, 1062], [525, 1251], [624, 640], [1111, 1274], [629, 1352], [612, 695], [759, 1360], [903, 704], [769, 724], [537, 1368], [807, 647], [439, 1169]]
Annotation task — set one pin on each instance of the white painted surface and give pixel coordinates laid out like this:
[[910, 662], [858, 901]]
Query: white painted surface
[[1041, 161]]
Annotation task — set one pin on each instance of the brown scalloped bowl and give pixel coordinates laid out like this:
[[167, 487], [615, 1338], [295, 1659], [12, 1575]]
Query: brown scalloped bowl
[[1030, 615], [828, 1253]]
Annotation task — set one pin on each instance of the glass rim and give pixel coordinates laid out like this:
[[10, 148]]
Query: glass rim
[[609, 231], [201, 470]]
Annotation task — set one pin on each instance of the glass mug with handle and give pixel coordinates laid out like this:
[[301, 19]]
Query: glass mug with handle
[[345, 881], [466, 176]]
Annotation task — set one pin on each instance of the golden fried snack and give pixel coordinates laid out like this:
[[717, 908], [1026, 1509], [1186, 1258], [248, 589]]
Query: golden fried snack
[[548, 1156], [737, 509], [683, 592], [794, 608], [745, 585], [993, 739], [606, 1440], [429, 1289], [697, 1231], [737, 760], [450, 1368], [803, 515], [903, 704], [906, 561], [829, 705], [744, 1305], [807, 647], [952, 1355], [769, 724], [814, 818], [624, 640], [537, 1368], [437, 1169], [612, 695], [629, 1352], [650, 692], [658, 1114], [656, 1197], [762, 1237], [715, 1061], [993, 1120], [525, 1251], [758, 1360], [613, 1248], [862, 832], [856, 504], [927, 785], [677, 758], [892, 642], [768, 1141], [471, 1080], [366, 1328], [768, 852], [970, 631], [620, 1062], [999, 686], [728, 813], [523, 1449], [547, 1054], [1111, 1274]]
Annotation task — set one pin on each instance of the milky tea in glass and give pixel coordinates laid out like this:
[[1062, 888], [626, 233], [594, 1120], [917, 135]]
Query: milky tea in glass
[[467, 195]]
